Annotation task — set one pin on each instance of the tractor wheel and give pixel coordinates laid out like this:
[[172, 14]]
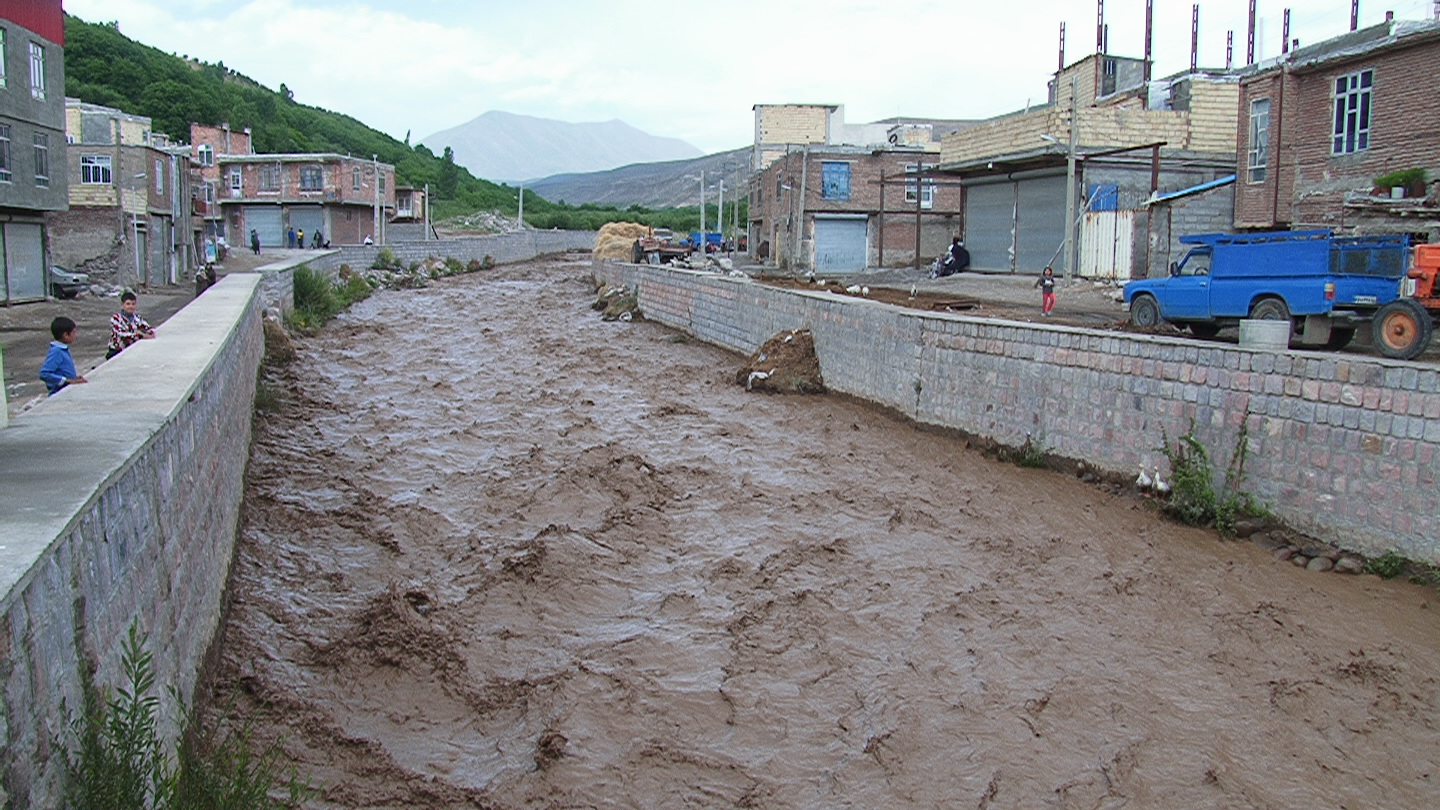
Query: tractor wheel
[[1402, 329], [1144, 311]]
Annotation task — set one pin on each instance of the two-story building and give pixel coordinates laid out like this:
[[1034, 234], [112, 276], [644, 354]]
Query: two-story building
[[1321, 127], [345, 198], [131, 218], [207, 145], [838, 197], [32, 141], [1146, 162]]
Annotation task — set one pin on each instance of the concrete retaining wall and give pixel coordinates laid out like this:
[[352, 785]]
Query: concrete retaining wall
[[1343, 447], [502, 248], [119, 504]]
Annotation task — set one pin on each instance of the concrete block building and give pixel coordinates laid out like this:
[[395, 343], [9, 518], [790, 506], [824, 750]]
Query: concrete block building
[[838, 197], [32, 142], [131, 219], [1319, 125], [1152, 160]]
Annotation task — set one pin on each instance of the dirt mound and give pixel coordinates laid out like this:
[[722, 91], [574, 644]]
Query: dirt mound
[[616, 240], [786, 364]]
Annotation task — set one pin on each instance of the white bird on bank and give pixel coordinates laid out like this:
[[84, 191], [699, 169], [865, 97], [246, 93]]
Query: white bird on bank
[[1143, 482], [1162, 486]]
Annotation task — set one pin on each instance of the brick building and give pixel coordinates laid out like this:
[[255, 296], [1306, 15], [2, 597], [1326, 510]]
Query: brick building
[[207, 145], [817, 199], [131, 213], [346, 198], [1319, 125], [32, 141], [1153, 160]]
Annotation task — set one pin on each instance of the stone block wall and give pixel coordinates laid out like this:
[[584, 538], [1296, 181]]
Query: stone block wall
[[1341, 446], [119, 504], [502, 248]]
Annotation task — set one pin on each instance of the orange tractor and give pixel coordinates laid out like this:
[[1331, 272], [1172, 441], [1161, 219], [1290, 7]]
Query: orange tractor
[[1402, 328]]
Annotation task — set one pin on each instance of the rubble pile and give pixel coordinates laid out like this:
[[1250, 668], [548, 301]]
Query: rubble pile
[[786, 364]]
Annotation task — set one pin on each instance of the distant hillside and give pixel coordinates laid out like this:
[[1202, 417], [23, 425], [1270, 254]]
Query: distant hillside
[[669, 184], [502, 146]]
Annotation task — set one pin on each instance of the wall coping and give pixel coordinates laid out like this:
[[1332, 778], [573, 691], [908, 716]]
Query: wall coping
[[51, 472]]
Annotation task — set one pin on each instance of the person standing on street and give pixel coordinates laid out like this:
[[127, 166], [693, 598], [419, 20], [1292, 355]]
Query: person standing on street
[[254, 242], [1046, 283]]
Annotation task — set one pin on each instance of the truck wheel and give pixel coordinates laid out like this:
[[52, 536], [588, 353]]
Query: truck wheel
[[1270, 309], [1401, 329], [1205, 330], [1144, 311], [1339, 338]]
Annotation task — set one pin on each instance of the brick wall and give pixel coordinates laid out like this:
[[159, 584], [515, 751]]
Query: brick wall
[[1314, 182], [120, 502], [1343, 447]]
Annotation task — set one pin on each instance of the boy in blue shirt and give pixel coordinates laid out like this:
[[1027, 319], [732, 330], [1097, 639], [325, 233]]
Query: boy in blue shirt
[[58, 370]]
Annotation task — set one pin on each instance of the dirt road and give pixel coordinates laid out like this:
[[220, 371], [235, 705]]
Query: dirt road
[[497, 553]]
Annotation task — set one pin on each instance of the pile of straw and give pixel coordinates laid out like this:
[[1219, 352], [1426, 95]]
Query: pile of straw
[[616, 240]]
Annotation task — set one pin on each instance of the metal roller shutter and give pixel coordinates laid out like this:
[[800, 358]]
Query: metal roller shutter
[[990, 226], [24, 262], [265, 221], [309, 218], [840, 244], [1040, 229]]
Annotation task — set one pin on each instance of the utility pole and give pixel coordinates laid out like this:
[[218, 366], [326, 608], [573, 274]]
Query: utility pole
[[1070, 182], [702, 212], [375, 224], [427, 212], [520, 219]]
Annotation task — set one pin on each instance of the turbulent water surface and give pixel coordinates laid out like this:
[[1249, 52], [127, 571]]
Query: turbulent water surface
[[498, 553]]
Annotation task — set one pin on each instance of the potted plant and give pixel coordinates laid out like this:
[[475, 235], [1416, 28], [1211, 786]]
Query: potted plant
[[1403, 183]]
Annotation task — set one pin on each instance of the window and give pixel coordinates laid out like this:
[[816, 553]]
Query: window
[[1259, 139], [4, 55], [270, 177], [381, 181], [834, 180], [1352, 113], [205, 153], [209, 192], [312, 178], [37, 70], [95, 170], [354, 179], [159, 177], [235, 184], [42, 159], [927, 187], [4, 153]]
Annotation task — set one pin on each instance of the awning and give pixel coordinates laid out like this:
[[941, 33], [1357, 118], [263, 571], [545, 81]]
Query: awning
[[1186, 192]]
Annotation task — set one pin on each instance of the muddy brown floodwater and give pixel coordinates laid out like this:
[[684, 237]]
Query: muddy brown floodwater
[[498, 553]]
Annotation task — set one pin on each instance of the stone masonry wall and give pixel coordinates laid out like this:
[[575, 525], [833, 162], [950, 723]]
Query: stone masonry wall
[[502, 248], [1341, 446], [119, 504]]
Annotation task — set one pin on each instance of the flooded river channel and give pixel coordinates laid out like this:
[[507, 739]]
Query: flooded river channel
[[499, 553]]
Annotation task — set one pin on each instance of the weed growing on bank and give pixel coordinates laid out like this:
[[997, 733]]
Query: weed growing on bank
[[119, 760], [1194, 500], [318, 299]]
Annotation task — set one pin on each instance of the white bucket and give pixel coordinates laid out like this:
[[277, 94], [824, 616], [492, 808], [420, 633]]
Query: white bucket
[[1265, 334]]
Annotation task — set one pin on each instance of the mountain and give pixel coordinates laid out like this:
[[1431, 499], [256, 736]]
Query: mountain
[[668, 184], [502, 146]]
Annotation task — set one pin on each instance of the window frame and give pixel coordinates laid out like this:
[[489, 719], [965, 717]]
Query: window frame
[[37, 71], [237, 181], [205, 154], [268, 178], [830, 189], [97, 170], [315, 172], [4, 57], [6, 164], [927, 186], [1352, 108], [42, 159], [1258, 151], [355, 179], [159, 177]]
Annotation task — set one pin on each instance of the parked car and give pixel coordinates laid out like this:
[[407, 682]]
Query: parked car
[[65, 284]]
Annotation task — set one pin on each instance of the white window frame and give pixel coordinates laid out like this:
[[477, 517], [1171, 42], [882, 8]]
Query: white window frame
[[237, 182], [1259, 151], [927, 187], [96, 170], [42, 159], [37, 71], [312, 172], [4, 56], [1351, 107], [205, 153], [159, 177], [355, 179], [209, 191]]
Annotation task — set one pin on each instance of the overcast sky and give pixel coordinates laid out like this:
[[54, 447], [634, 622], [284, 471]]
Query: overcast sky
[[687, 70]]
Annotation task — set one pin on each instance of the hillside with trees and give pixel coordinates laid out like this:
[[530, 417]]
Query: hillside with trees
[[103, 66]]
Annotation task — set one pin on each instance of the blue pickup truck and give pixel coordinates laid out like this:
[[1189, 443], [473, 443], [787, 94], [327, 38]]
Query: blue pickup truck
[[1325, 285]]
